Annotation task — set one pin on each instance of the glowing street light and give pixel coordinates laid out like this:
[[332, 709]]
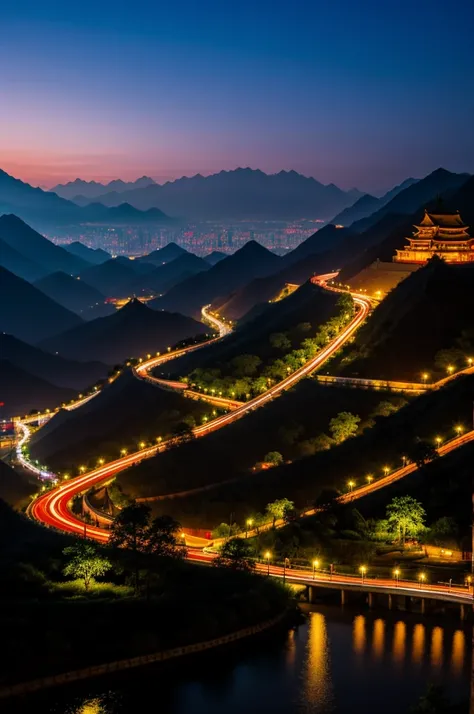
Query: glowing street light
[[421, 578], [370, 478], [386, 470], [141, 444], [438, 440], [82, 469], [267, 558], [469, 361], [123, 452], [363, 571], [101, 461], [458, 429], [450, 369], [396, 575], [424, 377], [248, 524], [315, 566], [351, 485]]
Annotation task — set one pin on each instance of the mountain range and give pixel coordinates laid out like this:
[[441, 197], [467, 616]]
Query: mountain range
[[73, 293], [93, 189], [367, 204], [238, 194], [47, 208]]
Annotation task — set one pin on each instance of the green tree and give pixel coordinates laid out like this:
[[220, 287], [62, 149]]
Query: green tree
[[236, 554], [443, 532], [86, 563], [345, 304], [274, 458], [245, 365], [406, 515], [280, 341], [163, 540], [343, 426], [130, 527], [224, 530], [276, 510]]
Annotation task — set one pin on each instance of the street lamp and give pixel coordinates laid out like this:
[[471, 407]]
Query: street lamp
[[248, 524], [424, 377], [267, 558], [183, 539], [351, 485], [421, 578], [404, 460], [101, 461], [396, 574], [370, 478], [386, 470], [141, 444], [123, 452], [315, 565], [450, 369], [469, 361], [438, 440], [458, 429], [82, 469], [363, 570]]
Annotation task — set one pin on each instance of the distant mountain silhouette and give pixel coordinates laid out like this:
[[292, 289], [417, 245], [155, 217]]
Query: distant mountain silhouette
[[164, 255], [164, 277], [28, 313], [22, 391], [251, 261], [22, 238], [239, 194], [73, 293], [215, 257], [92, 189], [113, 278], [52, 368], [47, 208], [95, 256], [17, 263], [367, 204], [134, 330], [411, 198]]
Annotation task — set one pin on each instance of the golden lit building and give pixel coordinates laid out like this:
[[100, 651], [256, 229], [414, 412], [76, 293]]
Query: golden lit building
[[441, 234]]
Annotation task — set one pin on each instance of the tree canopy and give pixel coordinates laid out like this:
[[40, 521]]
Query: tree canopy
[[406, 516], [86, 563], [236, 554]]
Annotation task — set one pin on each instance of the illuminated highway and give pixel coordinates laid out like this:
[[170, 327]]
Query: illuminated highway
[[52, 508]]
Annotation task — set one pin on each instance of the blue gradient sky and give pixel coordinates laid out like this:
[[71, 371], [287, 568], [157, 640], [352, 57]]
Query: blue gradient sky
[[357, 92]]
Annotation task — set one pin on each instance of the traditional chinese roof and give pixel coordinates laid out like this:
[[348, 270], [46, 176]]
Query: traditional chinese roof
[[442, 220]]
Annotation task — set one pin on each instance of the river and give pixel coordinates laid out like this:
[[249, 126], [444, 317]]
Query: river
[[337, 662]]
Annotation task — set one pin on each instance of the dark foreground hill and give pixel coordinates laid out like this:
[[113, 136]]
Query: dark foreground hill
[[20, 236], [431, 310], [127, 412], [50, 367], [169, 252], [73, 293], [16, 487], [28, 313], [22, 391], [251, 261], [132, 331], [112, 278]]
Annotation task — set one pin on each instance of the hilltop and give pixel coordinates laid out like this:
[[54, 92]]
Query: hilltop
[[113, 278], [93, 189], [95, 256], [169, 252], [367, 204], [18, 264], [251, 261], [125, 413], [166, 276], [132, 331], [28, 313]]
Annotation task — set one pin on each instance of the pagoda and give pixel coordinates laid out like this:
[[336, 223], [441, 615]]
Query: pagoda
[[441, 234]]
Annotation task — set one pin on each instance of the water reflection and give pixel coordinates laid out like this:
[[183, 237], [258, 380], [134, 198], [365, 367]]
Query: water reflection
[[418, 644], [378, 638], [458, 652], [318, 690], [436, 647], [359, 636], [399, 642]]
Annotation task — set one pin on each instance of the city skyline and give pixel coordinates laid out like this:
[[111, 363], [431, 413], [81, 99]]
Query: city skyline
[[118, 92]]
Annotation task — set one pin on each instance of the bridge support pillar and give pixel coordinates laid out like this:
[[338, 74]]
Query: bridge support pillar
[[390, 602], [343, 597], [311, 594], [423, 605], [370, 599], [463, 612]]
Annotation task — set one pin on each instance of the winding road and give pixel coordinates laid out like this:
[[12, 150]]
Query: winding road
[[53, 507]]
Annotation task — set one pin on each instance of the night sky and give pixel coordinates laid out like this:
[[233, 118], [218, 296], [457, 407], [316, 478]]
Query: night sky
[[357, 92]]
